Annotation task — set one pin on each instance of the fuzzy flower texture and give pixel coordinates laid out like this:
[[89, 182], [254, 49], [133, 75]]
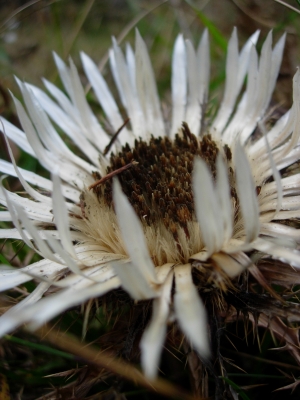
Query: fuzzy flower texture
[[181, 212]]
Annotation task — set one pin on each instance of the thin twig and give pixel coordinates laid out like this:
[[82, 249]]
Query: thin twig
[[108, 147], [113, 173]]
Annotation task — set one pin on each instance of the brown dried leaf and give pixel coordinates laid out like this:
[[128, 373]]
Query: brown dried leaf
[[279, 273], [282, 331]]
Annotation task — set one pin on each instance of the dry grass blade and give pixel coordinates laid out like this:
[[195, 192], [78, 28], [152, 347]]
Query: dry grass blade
[[127, 29], [292, 386], [288, 6], [19, 10], [254, 15], [78, 26], [123, 34], [101, 359], [265, 360]]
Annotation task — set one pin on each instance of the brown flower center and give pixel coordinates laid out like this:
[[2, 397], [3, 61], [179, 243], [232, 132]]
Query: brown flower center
[[159, 185]]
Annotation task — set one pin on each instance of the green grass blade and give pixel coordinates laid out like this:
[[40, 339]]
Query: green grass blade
[[3, 260], [39, 347], [213, 30]]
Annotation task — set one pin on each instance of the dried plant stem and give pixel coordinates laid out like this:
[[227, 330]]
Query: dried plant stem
[[102, 359]]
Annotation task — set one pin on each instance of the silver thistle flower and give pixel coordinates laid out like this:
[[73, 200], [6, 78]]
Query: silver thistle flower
[[169, 214]]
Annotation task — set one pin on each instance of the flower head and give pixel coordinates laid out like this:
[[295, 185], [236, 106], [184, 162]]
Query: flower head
[[172, 211]]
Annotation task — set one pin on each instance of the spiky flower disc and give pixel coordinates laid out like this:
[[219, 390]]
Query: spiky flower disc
[[169, 214]]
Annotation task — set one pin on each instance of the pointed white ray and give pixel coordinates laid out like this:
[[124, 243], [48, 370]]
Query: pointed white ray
[[260, 85], [190, 311], [154, 335], [246, 194], [129, 95], [46, 159], [63, 73], [33, 297], [98, 273], [69, 172], [208, 211], [41, 246], [17, 136], [35, 210], [14, 215], [247, 63], [33, 193], [5, 216], [264, 72], [38, 210], [288, 203], [289, 159], [193, 109], [134, 281], [290, 186], [252, 82], [93, 129], [275, 172], [244, 58], [132, 234], [280, 230], [147, 90], [66, 117], [284, 254], [64, 102], [266, 81], [12, 277], [35, 179], [115, 73], [92, 254], [71, 262], [70, 298], [10, 233], [88, 122], [262, 170], [245, 108], [287, 215], [130, 60], [61, 218], [49, 136], [275, 64], [280, 131], [45, 130], [179, 84], [286, 148], [47, 308], [104, 96], [232, 71], [203, 67], [223, 193]]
